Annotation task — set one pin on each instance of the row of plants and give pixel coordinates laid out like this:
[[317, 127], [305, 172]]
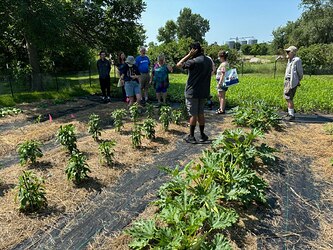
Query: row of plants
[[328, 128], [9, 111], [31, 194], [196, 205]]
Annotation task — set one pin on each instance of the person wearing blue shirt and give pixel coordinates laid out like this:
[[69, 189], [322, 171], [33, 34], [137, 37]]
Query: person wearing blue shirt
[[143, 63]]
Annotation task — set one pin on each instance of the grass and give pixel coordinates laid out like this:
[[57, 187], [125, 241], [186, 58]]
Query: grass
[[314, 95]]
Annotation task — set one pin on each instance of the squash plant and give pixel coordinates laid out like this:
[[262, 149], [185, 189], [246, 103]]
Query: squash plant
[[77, 169], [94, 126], [29, 150], [31, 192], [257, 115], [66, 136], [106, 151], [165, 117], [118, 116], [148, 128]]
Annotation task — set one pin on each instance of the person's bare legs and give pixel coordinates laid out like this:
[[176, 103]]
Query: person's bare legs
[[158, 97], [222, 100], [164, 96], [131, 100]]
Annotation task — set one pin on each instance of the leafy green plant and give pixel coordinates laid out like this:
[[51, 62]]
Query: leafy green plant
[[148, 127], [29, 150], [6, 111], [31, 192], [106, 151], [77, 168], [150, 110], [165, 117], [118, 116], [257, 115], [66, 136], [332, 161], [136, 136], [134, 112], [94, 126], [177, 116]]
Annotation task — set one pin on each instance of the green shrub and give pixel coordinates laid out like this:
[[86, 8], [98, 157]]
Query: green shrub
[[77, 168], [148, 127], [31, 192], [66, 136], [118, 116], [94, 126], [106, 151], [29, 150]]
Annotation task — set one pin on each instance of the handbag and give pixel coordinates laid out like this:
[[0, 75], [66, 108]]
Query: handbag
[[231, 78], [120, 83]]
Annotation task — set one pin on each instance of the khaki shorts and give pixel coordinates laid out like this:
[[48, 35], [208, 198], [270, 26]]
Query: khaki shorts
[[195, 106], [144, 79], [288, 92]]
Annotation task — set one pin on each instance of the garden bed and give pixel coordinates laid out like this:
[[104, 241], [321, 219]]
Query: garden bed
[[92, 214]]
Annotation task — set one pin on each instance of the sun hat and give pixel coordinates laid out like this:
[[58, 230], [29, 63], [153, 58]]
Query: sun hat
[[291, 49], [130, 60]]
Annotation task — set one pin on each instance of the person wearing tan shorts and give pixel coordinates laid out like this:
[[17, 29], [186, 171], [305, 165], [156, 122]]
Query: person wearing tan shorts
[[143, 63]]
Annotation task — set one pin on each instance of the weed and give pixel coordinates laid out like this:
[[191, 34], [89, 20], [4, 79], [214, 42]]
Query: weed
[[328, 128], [38, 119], [31, 192], [29, 150]]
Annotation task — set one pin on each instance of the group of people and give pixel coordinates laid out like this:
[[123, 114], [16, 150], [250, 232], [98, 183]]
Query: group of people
[[135, 80]]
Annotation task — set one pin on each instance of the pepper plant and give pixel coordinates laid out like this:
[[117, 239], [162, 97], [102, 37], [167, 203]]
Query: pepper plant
[[165, 117], [177, 116], [66, 136], [94, 126], [31, 192], [29, 150], [118, 116], [136, 136], [134, 112], [77, 169], [148, 128], [149, 110], [106, 151]]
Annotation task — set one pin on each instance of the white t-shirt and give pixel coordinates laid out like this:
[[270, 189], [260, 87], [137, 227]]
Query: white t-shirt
[[221, 69]]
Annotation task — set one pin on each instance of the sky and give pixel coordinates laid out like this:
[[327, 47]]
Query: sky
[[227, 18]]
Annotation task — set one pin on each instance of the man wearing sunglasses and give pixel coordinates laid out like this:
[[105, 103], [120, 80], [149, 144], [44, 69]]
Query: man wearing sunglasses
[[293, 76]]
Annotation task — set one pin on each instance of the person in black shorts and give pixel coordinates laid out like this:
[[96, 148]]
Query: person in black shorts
[[197, 88]]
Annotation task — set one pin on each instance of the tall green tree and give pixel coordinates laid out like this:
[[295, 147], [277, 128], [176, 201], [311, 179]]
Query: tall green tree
[[57, 26], [192, 25], [167, 33]]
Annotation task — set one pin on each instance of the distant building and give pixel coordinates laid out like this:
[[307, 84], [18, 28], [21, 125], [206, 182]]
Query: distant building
[[252, 41], [231, 44], [243, 42]]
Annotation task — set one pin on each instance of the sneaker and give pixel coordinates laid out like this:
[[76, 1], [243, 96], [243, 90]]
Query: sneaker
[[190, 139], [108, 99], [203, 138], [290, 118]]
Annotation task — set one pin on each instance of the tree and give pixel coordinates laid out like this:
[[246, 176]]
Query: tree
[[58, 26], [167, 33], [192, 25]]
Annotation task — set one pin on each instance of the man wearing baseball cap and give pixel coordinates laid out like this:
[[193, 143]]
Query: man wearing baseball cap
[[293, 76]]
